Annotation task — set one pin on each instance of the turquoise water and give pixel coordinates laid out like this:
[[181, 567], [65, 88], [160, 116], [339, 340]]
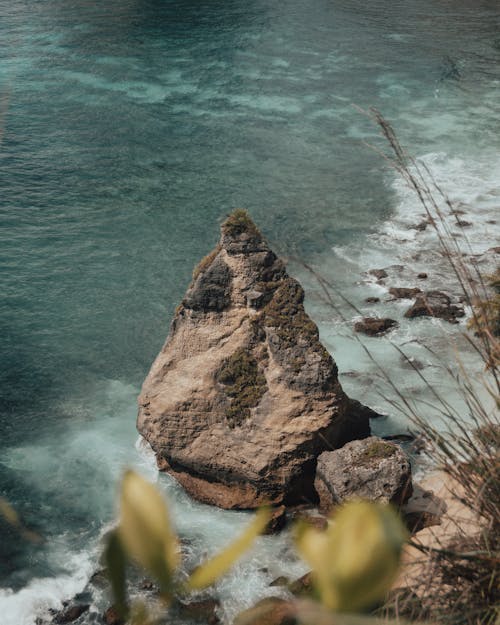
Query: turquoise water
[[128, 131]]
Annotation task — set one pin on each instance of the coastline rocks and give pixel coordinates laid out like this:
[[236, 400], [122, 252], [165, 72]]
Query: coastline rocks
[[370, 469], [70, 614], [379, 274], [373, 326], [112, 617], [243, 397], [435, 304], [202, 610], [269, 611]]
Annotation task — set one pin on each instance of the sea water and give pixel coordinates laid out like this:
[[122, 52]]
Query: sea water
[[128, 130]]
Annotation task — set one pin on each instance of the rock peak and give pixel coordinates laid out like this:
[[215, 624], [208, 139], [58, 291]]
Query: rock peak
[[240, 235]]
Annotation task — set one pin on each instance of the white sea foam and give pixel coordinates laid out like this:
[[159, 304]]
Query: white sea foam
[[47, 593], [472, 185]]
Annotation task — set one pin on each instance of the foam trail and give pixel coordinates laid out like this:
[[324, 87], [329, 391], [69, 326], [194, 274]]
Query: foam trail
[[44, 594]]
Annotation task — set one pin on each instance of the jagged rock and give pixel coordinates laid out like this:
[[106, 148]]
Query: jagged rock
[[380, 274], [277, 521], [280, 581], [421, 226], [100, 578], [373, 326], [369, 469], [401, 292], [302, 586], [203, 610], [112, 617], [435, 304], [269, 611], [70, 614], [243, 397]]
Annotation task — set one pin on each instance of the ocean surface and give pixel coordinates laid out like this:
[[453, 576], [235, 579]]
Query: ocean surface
[[128, 130]]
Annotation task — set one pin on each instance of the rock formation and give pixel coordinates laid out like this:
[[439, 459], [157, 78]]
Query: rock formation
[[243, 397], [435, 304], [369, 469]]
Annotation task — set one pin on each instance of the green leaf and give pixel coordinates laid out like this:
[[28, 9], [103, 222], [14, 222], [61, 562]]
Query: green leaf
[[356, 559], [214, 568], [145, 530], [116, 563]]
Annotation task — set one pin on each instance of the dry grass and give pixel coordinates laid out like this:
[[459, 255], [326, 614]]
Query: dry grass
[[459, 581], [457, 578]]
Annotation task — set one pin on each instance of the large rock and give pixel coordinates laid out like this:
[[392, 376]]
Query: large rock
[[369, 469], [243, 397]]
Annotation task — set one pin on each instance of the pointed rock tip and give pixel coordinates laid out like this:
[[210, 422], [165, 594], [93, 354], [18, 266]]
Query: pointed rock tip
[[239, 222]]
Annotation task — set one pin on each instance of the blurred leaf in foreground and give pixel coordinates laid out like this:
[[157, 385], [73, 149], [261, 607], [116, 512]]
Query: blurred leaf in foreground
[[214, 568], [356, 559], [145, 530], [12, 518], [116, 561]]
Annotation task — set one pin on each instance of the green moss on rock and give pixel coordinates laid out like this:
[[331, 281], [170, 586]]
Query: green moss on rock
[[205, 262], [378, 450], [245, 384], [285, 312], [238, 222]]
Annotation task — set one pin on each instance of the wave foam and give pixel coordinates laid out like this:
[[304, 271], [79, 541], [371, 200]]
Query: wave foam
[[48, 593]]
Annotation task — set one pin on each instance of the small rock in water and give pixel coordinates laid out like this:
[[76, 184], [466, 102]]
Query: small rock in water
[[409, 362], [280, 581], [380, 274], [420, 226], [302, 586], [401, 292], [203, 610], [435, 304], [422, 275], [374, 326], [269, 611], [112, 617], [147, 584], [100, 578], [462, 223], [372, 300], [68, 615]]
